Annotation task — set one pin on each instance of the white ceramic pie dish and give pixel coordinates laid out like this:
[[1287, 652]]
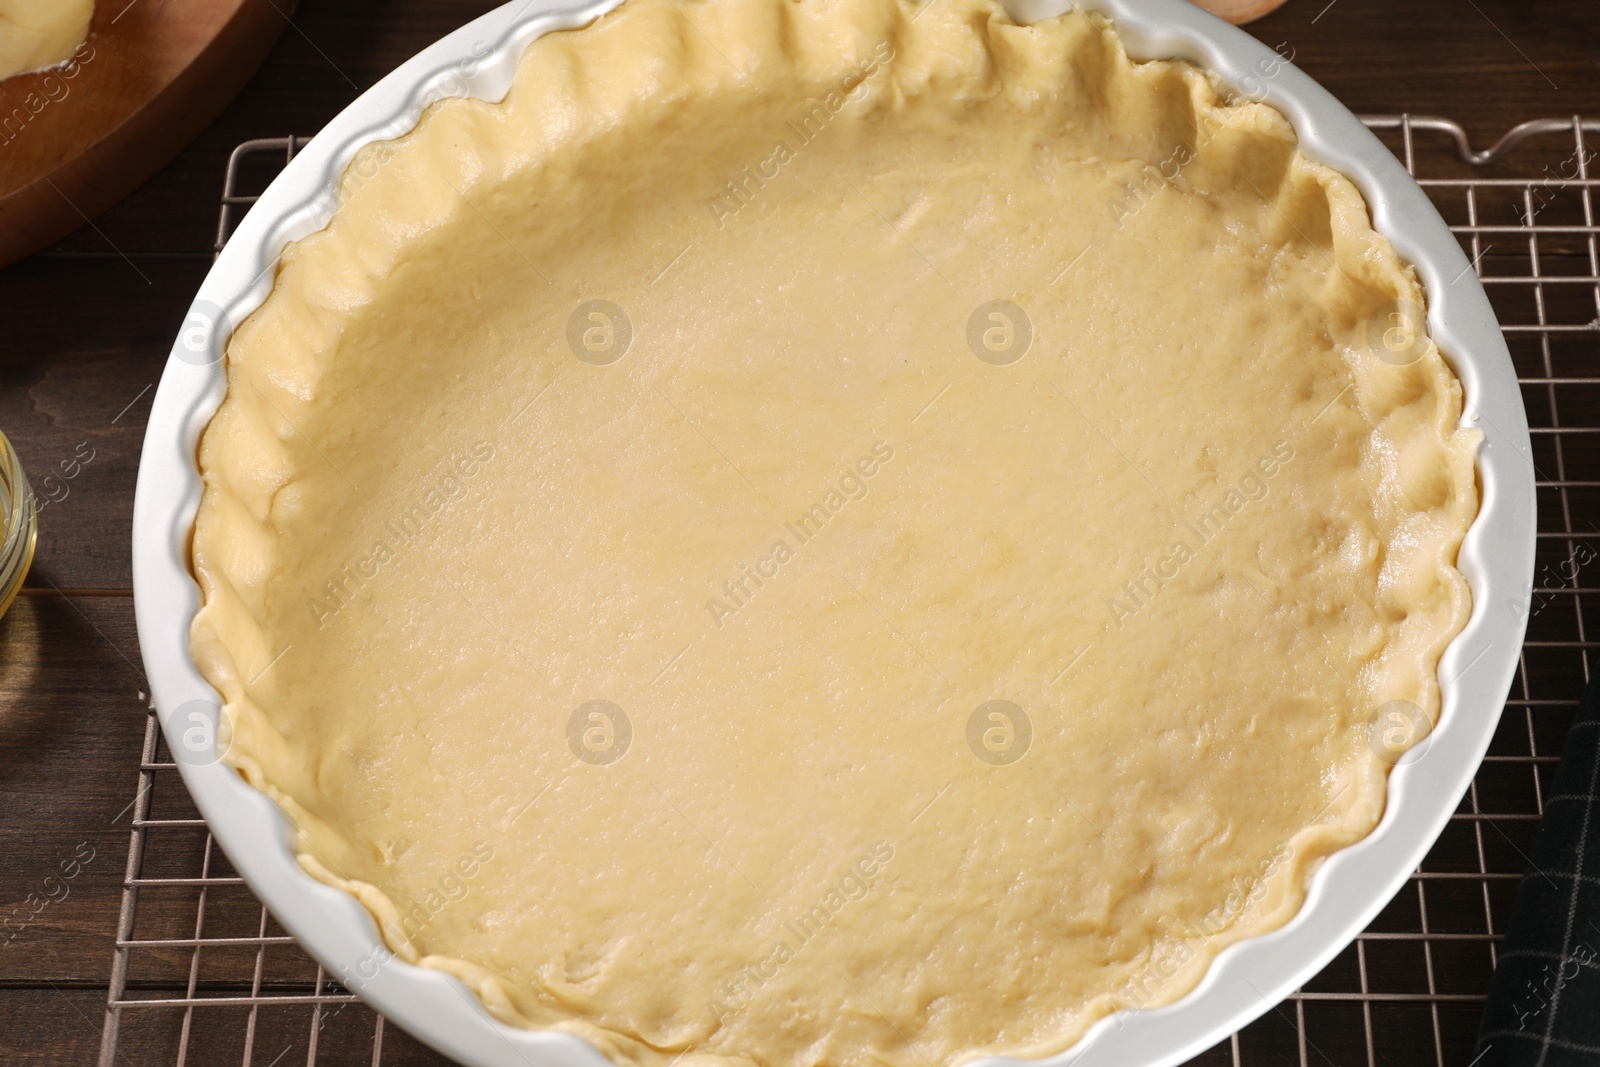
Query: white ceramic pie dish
[[1248, 978]]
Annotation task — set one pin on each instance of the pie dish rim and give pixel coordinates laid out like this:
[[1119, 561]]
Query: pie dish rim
[[1244, 980]]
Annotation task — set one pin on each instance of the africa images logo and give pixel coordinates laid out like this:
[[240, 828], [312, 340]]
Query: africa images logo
[[852, 485], [854, 884], [741, 190], [443, 493], [1207, 527]]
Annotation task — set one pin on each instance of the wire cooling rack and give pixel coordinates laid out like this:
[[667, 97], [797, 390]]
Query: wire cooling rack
[[202, 974]]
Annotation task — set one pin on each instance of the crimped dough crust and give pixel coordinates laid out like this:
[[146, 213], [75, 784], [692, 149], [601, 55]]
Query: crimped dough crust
[[432, 532]]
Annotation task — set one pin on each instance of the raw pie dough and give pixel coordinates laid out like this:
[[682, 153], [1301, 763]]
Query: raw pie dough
[[645, 527], [35, 34]]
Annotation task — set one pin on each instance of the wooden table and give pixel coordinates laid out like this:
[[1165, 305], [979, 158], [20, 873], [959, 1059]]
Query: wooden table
[[88, 323]]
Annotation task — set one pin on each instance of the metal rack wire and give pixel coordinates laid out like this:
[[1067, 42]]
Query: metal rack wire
[[201, 972]]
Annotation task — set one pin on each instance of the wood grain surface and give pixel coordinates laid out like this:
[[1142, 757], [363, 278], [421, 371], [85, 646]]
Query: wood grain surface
[[88, 322]]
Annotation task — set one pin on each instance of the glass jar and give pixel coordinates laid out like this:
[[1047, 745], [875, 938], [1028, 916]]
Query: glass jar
[[19, 528]]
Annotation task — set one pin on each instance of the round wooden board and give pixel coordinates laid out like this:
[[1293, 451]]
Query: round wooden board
[[76, 139]]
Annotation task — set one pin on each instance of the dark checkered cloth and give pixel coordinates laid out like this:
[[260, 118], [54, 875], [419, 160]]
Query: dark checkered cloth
[[1544, 1002]]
